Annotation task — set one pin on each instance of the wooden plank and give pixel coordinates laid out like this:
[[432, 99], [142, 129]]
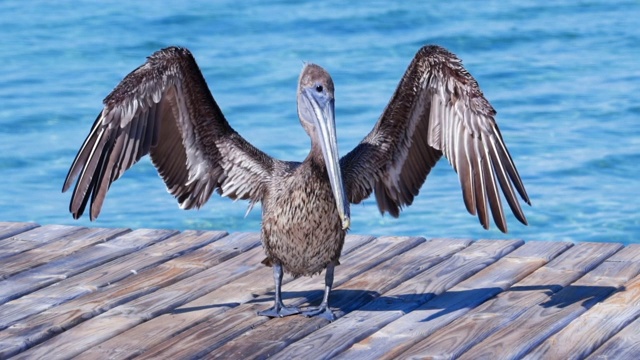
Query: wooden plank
[[137, 299], [456, 300], [105, 275], [56, 249], [417, 291], [36, 237], [200, 339], [623, 345], [41, 327], [47, 274], [8, 229], [273, 336], [539, 322], [598, 324], [206, 336], [454, 339], [123, 317], [242, 290]]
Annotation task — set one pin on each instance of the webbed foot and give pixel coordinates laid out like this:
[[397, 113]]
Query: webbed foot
[[322, 311], [279, 311]]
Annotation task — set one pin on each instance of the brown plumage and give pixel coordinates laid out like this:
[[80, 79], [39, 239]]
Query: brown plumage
[[164, 108], [437, 108], [302, 250]]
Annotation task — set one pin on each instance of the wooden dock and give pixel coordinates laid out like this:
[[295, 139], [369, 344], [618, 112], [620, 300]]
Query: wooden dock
[[95, 293]]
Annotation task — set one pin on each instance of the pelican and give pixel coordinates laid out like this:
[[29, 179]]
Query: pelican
[[164, 108]]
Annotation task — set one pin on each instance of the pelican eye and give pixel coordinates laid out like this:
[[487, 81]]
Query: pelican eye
[[319, 88]]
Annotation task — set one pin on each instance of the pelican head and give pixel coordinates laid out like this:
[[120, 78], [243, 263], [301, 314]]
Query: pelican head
[[317, 116]]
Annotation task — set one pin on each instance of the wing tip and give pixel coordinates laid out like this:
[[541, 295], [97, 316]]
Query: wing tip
[[433, 49], [502, 226], [484, 223]]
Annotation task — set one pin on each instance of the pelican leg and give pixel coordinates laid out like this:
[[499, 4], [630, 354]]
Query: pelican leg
[[324, 310], [279, 309]]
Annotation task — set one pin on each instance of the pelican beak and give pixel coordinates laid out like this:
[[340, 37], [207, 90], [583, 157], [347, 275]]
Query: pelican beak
[[324, 118]]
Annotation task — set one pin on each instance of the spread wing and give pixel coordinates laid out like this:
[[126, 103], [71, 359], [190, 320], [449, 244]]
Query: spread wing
[[164, 108], [437, 109]]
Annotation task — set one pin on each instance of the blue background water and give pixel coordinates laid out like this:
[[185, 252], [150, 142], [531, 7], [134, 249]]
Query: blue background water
[[563, 75]]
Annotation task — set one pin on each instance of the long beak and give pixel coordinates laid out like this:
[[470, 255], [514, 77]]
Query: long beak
[[324, 118]]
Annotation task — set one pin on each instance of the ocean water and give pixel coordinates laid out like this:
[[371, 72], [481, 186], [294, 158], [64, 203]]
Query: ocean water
[[564, 77]]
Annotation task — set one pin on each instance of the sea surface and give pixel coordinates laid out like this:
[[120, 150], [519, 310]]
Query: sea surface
[[564, 77]]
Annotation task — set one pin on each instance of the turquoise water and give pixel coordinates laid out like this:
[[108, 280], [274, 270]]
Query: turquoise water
[[564, 78]]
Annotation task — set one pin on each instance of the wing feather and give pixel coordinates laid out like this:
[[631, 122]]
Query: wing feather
[[164, 108], [480, 186], [437, 109]]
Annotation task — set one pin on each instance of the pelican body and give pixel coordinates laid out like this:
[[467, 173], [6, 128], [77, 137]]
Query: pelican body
[[164, 108]]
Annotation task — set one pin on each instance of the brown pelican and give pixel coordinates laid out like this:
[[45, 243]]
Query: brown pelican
[[164, 108]]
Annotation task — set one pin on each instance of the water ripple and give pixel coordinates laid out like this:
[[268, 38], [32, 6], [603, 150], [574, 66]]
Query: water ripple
[[563, 76]]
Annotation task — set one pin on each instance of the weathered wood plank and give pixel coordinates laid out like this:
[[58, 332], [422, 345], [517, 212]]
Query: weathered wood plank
[[56, 249], [36, 237], [271, 337], [43, 326], [113, 322], [160, 329], [539, 322], [188, 295], [623, 345], [355, 242], [209, 337], [596, 325], [205, 337], [457, 337], [416, 292], [104, 275], [8, 229], [47, 274], [480, 285]]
